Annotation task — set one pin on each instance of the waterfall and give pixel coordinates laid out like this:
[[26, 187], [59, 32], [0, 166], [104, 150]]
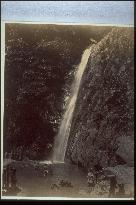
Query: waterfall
[[61, 140]]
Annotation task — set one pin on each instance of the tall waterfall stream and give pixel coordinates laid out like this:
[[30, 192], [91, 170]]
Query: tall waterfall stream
[[61, 140]]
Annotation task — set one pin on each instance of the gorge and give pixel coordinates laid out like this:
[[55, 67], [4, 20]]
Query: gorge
[[94, 127]]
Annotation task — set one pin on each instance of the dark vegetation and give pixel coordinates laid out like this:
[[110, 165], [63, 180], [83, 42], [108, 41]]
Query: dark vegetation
[[40, 62]]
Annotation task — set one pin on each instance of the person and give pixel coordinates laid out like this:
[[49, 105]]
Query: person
[[90, 180], [14, 189], [103, 183], [45, 170], [61, 183], [56, 185], [8, 176], [65, 183], [13, 179], [98, 171], [121, 191], [113, 185], [4, 179]]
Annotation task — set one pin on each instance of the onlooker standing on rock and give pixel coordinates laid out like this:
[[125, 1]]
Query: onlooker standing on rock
[[98, 171], [91, 180], [5, 184], [13, 179], [113, 185], [45, 170], [121, 191]]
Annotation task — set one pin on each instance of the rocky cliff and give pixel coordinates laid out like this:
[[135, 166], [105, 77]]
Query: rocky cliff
[[39, 68], [102, 127]]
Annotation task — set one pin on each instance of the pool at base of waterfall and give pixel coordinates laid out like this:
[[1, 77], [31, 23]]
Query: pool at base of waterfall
[[34, 181], [47, 179]]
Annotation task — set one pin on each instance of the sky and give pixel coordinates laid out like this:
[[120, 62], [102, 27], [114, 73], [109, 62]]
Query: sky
[[88, 12]]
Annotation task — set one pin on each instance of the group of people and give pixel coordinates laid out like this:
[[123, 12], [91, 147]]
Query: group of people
[[65, 183], [61, 183]]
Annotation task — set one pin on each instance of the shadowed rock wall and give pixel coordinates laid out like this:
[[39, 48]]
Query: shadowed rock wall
[[102, 127], [40, 62]]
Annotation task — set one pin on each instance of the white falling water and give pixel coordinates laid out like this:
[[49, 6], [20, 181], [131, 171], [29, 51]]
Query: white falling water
[[61, 140]]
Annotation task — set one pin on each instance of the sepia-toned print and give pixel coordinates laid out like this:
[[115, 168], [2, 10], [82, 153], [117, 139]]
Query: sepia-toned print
[[68, 125]]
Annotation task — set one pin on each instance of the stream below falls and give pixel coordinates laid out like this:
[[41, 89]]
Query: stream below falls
[[33, 181], [42, 179]]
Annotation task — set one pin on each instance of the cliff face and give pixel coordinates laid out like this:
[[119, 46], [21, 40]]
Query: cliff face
[[39, 66], [102, 126]]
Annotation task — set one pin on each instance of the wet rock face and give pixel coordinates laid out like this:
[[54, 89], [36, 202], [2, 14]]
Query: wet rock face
[[103, 118]]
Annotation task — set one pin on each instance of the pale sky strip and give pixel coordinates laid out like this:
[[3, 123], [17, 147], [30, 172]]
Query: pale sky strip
[[92, 12]]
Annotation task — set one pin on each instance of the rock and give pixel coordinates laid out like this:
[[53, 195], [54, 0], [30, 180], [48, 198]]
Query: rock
[[39, 59], [83, 192], [103, 122], [123, 173], [126, 149]]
